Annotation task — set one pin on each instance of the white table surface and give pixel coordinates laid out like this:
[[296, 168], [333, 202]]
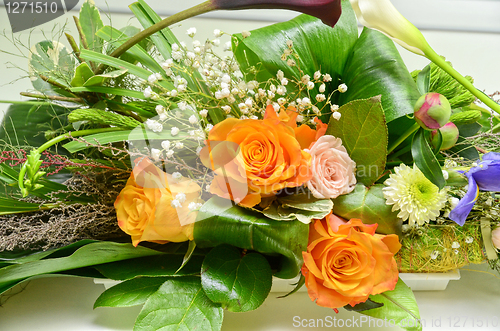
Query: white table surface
[[65, 304]]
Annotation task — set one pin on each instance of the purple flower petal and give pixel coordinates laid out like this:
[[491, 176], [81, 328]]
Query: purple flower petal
[[327, 10], [461, 211]]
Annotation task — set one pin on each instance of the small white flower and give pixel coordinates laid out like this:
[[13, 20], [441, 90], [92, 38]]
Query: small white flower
[[159, 109], [207, 188], [327, 78], [226, 78], [217, 33], [455, 245], [226, 109], [227, 46], [193, 119], [179, 145], [190, 55], [334, 108], [310, 85], [290, 63], [469, 240], [249, 102], [434, 255], [158, 76], [299, 118], [148, 92], [445, 174], [289, 43], [181, 197], [169, 63], [305, 101], [155, 154], [317, 75], [252, 85], [152, 78], [320, 97], [175, 47], [177, 55], [165, 144], [191, 32], [177, 175], [196, 43], [336, 115], [203, 113], [305, 79], [280, 75], [284, 81], [281, 101], [182, 105], [170, 153], [174, 131], [176, 203], [208, 127], [455, 251], [153, 125], [193, 206], [245, 34], [216, 42], [322, 88], [454, 202], [281, 90], [342, 88]]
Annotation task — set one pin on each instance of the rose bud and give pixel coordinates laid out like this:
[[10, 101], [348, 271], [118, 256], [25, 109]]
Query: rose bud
[[449, 132], [432, 111]]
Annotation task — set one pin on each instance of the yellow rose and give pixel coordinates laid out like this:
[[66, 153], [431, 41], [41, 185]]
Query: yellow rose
[[145, 206]]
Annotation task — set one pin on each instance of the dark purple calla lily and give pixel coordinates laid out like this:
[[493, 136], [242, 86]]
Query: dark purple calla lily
[[483, 177], [327, 10]]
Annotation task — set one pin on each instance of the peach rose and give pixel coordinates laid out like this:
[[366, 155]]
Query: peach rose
[[347, 266], [145, 208], [254, 158], [332, 169]]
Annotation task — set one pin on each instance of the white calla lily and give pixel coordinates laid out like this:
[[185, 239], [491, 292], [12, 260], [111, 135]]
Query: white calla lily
[[381, 15]]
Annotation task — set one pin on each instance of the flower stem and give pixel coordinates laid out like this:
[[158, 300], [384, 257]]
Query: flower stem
[[48, 144], [403, 137], [199, 9], [434, 57]]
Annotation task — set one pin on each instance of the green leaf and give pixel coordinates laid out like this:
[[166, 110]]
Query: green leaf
[[110, 90], [399, 305], [88, 255], [188, 255], [151, 266], [125, 135], [317, 46], [99, 80], [132, 292], [368, 304], [238, 282], [90, 20], [363, 132], [82, 74], [302, 207], [368, 205], [27, 256], [116, 63], [219, 222], [179, 304], [462, 147], [424, 79], [52, 60], [376, 68], [426, 160]]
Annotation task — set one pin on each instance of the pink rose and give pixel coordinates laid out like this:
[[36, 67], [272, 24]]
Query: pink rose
[[332, 169], [495, 237]]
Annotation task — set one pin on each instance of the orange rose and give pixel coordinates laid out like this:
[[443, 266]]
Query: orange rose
[[254, 158], [145, 208], [346, 266]]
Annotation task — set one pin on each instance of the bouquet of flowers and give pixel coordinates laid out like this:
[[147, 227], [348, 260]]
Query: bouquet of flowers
[[307, 151]]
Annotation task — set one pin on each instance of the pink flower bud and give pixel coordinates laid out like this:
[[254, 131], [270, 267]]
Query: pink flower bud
[[432, 111], [449, 132]]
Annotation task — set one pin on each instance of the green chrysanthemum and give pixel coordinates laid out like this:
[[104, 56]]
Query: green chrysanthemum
[[416, 198]]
